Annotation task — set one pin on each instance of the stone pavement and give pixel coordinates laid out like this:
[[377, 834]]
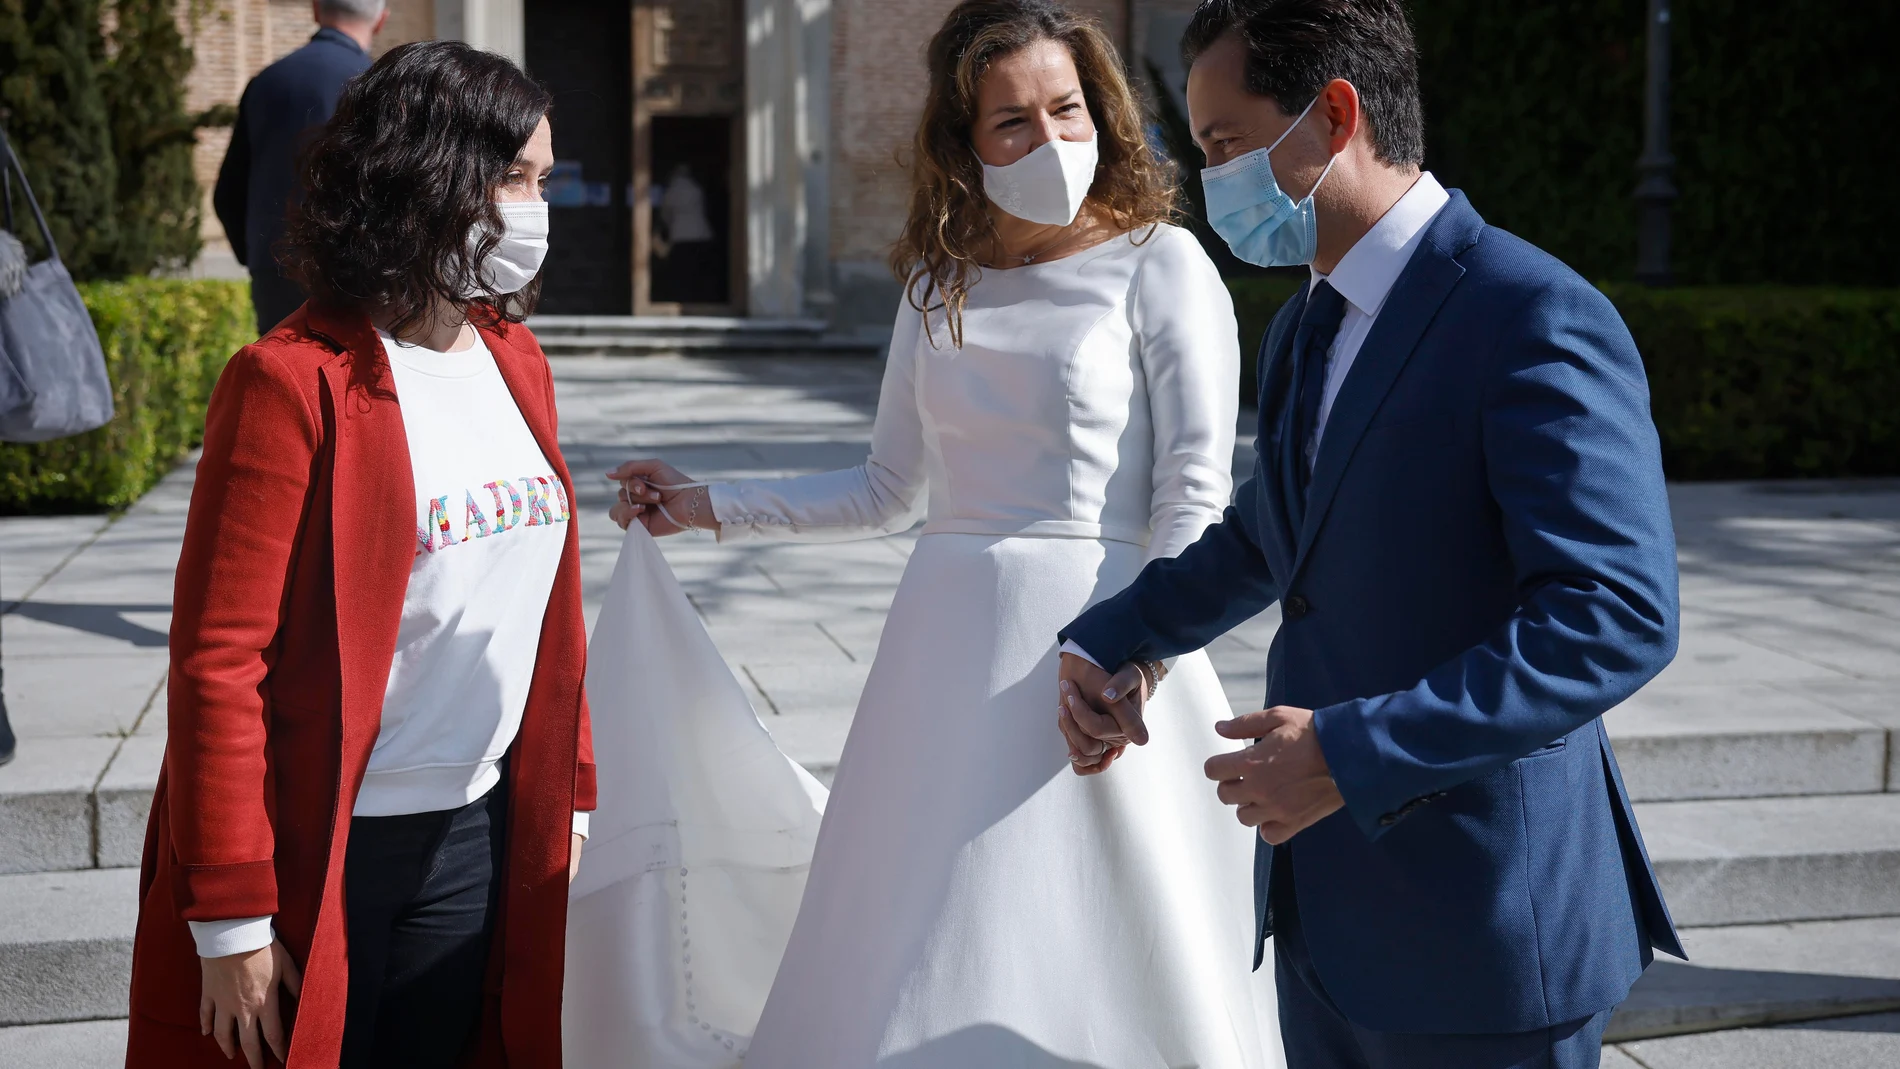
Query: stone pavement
[[1764, 757]]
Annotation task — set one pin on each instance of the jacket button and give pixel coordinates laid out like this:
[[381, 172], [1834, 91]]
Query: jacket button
[[1296, 607]]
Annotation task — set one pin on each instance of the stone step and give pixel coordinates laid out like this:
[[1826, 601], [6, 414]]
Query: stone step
[[66, 945], [80, 1045], [1768, 860], [1746, 740], [1763, 974], [77, 803], [639, 335]]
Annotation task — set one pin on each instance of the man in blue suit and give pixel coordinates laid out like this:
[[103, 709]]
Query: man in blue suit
[[259, 175], [1458, 503]]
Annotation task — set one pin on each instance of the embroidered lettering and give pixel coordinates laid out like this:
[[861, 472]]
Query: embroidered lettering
[[538, 511], [476, 523], [560, 493], [505, 523], [436, 530]]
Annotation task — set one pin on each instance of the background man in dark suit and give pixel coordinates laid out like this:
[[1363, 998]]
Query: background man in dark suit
[[1458, 504], [258, 178]]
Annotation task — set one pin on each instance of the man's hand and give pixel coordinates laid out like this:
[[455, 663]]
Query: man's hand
[[238, 1002], [574, 855], [1099, 715], [1281, 783]]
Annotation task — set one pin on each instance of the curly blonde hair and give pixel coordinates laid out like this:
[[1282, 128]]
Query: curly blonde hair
[[949, 224]]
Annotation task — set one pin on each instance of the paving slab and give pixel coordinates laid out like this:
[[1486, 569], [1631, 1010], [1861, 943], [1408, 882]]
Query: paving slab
[[123, 800], [1776, 859], [66, 945], [1742, 740], [1747, 975], [1871, 1042], [105, 695], [46, 810], [1614, 1058], [81, 1045]]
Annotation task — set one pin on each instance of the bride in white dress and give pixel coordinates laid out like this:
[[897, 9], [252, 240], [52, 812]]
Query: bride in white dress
[[1066, 419]]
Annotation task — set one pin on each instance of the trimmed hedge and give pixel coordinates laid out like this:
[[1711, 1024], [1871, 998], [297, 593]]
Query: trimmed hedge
[[166, 341], [1770, 382], [1745, 382]]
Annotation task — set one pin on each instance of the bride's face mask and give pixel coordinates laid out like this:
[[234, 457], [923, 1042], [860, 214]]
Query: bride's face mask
[[1034, 136]]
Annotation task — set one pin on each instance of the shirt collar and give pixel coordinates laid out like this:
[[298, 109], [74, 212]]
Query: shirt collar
[[1366, 273], [337, 37]]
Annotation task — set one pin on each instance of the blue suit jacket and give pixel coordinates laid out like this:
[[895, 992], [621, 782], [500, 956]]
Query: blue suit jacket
[[1487, 565], [259, 173]]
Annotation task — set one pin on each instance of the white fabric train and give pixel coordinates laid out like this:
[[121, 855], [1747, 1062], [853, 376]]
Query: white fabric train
[[699, 848]]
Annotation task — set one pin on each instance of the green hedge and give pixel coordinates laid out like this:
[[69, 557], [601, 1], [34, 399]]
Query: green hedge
[[166, 341], [1745, 382], [1770, 382]]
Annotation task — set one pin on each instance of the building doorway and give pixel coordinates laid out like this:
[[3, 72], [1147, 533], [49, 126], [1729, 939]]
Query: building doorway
[[579, 50], [688, 82], [689, 261]]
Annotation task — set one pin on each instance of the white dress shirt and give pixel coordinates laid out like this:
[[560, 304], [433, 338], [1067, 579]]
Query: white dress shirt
[[1364, 276]]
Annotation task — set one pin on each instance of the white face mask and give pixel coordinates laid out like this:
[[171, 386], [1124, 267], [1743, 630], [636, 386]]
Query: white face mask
[[1048, 185], [524, 244]]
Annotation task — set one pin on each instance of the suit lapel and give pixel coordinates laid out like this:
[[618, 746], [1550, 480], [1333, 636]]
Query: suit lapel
[[1276, 353], [1408, 311]]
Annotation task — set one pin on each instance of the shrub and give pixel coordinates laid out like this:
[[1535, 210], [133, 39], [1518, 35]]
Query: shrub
[[166, 342], [1746, 382], [55, 113], [1770, 382], [152, 137]]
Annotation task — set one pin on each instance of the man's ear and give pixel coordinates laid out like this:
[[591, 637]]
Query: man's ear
[[380, 20]]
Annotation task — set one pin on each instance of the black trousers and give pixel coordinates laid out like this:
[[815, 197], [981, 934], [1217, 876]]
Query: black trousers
[[421, 896]]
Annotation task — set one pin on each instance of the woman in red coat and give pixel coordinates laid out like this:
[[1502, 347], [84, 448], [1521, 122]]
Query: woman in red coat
[[379, 764]]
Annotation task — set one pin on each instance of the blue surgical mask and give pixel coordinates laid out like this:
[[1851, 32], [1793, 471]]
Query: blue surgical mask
[[1249, 210]]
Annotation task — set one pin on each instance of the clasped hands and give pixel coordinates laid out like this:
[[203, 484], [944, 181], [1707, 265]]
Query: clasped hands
[[1279, 784]]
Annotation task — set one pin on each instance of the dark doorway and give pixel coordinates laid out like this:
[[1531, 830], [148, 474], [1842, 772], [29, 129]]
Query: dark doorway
[[580, 51], [692, 209]]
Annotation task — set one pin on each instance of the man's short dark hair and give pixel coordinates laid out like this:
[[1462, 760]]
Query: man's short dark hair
[[1294, 47]]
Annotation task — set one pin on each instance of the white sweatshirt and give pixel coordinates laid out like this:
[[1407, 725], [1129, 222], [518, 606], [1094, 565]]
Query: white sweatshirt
[[491, 521]]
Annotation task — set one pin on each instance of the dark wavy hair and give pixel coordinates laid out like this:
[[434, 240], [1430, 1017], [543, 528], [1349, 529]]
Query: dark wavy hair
[[949, 224], [401, 175]]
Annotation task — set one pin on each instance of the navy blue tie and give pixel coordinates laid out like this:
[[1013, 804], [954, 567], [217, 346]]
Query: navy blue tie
[[1312, 343]]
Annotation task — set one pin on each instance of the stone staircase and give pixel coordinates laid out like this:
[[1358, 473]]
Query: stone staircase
[[586, 335], [1767, 773]]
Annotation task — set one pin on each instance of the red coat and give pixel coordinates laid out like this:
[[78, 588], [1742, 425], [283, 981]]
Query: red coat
[[289, 595]]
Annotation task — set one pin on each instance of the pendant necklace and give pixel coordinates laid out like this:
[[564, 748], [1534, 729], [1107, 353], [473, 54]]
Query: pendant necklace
[[1030, 258]]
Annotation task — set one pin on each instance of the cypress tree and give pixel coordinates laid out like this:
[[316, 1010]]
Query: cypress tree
[[143, 85], [55, 114]]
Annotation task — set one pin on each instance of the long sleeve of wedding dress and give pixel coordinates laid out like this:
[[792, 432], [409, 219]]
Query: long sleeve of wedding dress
[[1188, 343], [1132, 442], [881, 496]]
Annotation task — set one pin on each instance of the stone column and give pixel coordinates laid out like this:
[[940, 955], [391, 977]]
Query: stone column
[[787, 109], [494, 25]]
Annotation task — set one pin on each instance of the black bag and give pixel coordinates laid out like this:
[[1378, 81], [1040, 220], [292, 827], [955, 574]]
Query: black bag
[[52, 371]]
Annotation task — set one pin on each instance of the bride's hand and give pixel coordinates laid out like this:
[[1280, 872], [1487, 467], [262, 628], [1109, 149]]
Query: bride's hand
[[641, 500]]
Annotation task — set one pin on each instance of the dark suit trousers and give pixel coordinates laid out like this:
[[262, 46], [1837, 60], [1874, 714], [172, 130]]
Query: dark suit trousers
[[421, 892], [1318, 1036]]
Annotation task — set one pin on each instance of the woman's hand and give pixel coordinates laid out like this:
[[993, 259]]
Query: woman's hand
[[238, 1002], [640, 500]]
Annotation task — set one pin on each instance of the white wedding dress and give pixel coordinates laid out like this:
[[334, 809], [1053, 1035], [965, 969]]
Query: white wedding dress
[[972, 902]]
